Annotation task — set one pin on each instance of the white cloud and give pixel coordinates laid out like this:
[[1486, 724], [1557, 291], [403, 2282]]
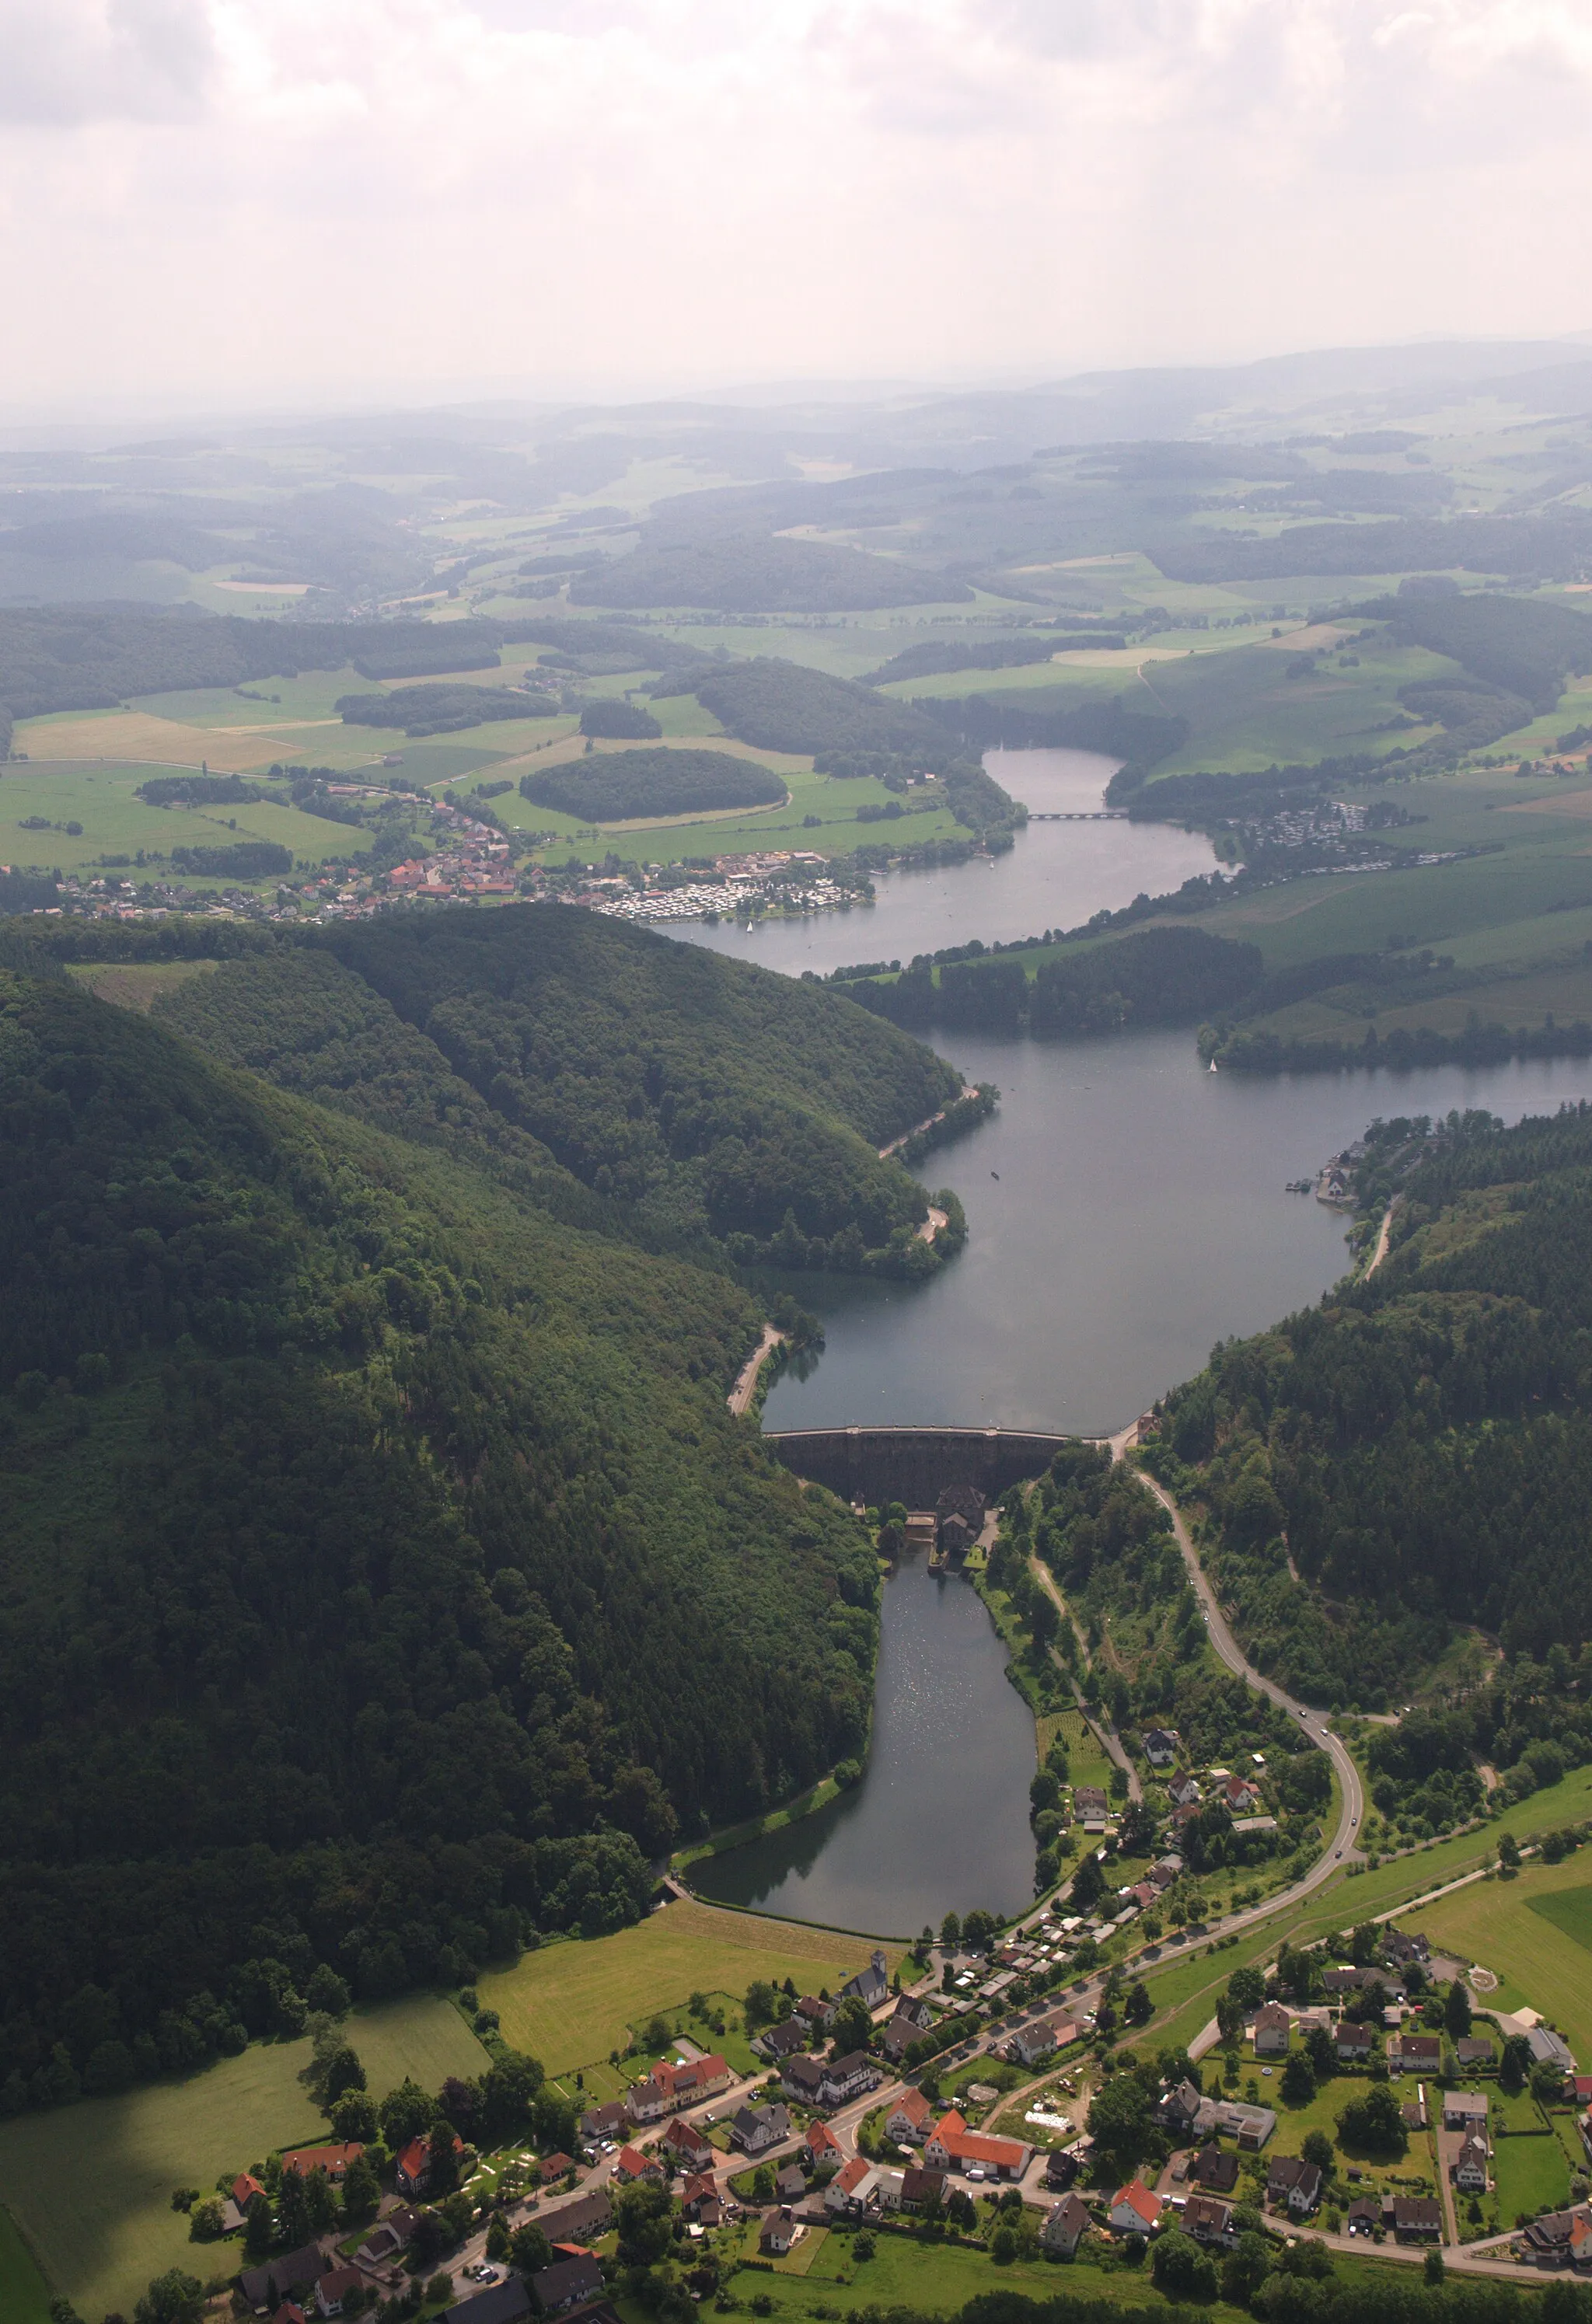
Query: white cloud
[[74, 61], [553, 192]]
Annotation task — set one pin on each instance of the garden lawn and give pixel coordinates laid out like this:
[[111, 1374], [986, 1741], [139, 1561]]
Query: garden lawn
[[569, 2003], [936, 2279], [795, 2263], [1535, 1935], [1531, 2176], [1086, 1760], [90, 2185]]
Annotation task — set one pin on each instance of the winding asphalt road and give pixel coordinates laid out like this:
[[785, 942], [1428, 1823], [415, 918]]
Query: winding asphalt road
[[1342, 1848]]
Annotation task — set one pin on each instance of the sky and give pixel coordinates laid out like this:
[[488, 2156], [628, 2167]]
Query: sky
[[302, 201]]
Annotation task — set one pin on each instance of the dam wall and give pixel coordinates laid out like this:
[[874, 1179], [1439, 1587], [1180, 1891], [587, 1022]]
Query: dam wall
[[913, 1465]]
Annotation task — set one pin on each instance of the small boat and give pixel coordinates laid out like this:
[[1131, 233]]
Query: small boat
[[995, 1174], [1213, 1065]]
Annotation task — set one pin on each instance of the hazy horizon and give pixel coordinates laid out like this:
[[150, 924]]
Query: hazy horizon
[[225, 204]]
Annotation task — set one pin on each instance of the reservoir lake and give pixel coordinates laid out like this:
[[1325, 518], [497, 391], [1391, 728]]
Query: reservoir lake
[[1125, 1211], [939, 1821]]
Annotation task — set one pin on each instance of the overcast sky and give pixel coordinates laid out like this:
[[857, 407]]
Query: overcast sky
[[309, 200]]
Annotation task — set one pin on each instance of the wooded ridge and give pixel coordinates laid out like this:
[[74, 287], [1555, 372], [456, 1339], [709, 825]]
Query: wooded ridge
[[386, 1577]]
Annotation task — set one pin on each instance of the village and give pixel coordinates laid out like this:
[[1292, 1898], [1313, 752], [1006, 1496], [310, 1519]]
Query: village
[[970, 2099]]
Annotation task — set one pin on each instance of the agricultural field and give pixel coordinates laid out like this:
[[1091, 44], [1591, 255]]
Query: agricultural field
[[90, 2185], [1534, 1933], [85, 767], [101, 798], [572, 2004]]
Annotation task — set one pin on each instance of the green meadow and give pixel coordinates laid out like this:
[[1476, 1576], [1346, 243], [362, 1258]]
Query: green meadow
[[89, 2186]]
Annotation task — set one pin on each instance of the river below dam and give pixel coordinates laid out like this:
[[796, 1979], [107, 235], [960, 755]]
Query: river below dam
[[1125, 1211], [939, 1821]]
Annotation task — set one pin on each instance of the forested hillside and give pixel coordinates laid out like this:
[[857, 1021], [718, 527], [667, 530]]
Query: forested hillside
[[1420, 1444], [710, 1097], [384, 1573]]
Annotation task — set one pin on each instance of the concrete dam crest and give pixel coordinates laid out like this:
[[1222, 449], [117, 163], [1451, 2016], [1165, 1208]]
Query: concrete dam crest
[[913, 1465]]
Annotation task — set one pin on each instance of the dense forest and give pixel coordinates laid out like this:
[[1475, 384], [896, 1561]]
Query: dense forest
[[1550, 547], [1525, 646], [612, 785], [935, 657], [781, 706], [1043, 720], [357, 1501], [1418, 1448], [693, 1102], [442, 709], [758, 572], [1159, 976], [611, 717]]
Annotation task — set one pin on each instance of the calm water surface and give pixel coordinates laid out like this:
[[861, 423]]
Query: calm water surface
[[939, 1821], [1125, 1211], [1055, 877]]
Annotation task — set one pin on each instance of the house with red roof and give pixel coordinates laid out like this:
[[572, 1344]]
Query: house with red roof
[[245, 2187], [333, 2160], [631, 2164], [1134, 2210], [821, 2147], [669, 2087], [849, 2192], [699, 2199], [689, 2146], [910, 2117], [412, 2168], [950, 2146]]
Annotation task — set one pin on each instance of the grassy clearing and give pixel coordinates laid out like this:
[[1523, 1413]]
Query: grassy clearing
[[24, 2296], [136, 984], [90, 2185], [568, 2004], [1535, 1935], [1085, 1756]]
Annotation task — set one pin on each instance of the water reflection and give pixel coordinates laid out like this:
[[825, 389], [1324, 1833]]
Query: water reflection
[[939, 1821], [1125, 1211]]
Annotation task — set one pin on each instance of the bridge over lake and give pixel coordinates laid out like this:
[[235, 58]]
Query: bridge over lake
[[913, 1465]]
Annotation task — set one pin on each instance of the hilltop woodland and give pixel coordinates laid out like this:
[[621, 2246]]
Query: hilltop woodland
[[1159, 976], [618, 785], [1418, 1448], [366, 1461]]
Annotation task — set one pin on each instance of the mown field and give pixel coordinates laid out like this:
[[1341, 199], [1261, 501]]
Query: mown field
[[90, 2185], [572, 2004], [1535, 1935]]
